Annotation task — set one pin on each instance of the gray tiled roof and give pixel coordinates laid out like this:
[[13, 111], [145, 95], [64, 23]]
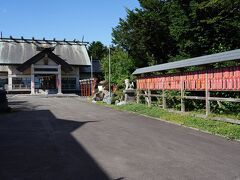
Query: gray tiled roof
[[12, 52], [202, 60]]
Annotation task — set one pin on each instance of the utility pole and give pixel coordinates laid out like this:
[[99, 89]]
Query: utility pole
[[109, 71], [91, 79], [91, 67]]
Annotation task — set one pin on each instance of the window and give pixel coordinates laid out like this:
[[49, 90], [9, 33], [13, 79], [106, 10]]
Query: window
[[3, 82], [21, 82]]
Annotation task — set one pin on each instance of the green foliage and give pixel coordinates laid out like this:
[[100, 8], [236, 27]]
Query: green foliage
[[145, 35], [97, 50], [226, 107], [122, 66], [205, 27], [162, 31], [231, 131]]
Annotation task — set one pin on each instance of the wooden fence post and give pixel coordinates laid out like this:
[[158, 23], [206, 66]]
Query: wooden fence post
[[149, 98], [164, 102], [182, 95], [138, 92], [207, 95]]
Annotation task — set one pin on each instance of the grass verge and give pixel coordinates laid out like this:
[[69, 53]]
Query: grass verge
[[228, 130]]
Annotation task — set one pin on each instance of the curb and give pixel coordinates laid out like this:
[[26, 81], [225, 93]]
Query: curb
[[174, 123]]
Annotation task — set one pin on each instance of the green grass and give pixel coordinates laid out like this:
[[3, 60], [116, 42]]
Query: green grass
[[228, 130]]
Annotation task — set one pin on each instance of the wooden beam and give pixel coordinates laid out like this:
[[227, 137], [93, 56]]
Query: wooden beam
[[46, 72], [156, 95], [46, 66], [152, 95], [195, 97], [213, 98], [43, 41], [224, 99]]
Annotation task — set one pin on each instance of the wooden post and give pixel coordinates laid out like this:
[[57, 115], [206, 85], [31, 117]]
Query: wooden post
[[32, 80], [138, 97], [182, 96], [59, 79], [10, 85], [164, 102], [149, 98], [207, 94]]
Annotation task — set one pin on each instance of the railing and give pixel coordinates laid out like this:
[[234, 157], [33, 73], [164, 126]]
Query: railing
[[221, 79], [87, 87]]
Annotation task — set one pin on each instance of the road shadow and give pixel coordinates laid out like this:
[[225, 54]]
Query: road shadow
[[37, 145], [20, 105]]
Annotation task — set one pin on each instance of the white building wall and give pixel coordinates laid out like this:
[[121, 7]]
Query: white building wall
[[3, 68], [13, 72]]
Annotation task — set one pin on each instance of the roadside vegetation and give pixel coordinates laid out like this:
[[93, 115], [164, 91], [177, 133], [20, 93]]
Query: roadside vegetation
[[228, 130], [159, 32]]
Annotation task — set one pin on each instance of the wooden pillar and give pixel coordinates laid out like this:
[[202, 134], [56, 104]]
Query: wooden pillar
[[182, 96], [59, 78], [32, 80], [149, 98], [207, 95], [77, 78], [10, 85]]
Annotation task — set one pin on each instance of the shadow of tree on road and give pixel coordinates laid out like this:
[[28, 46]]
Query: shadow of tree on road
[[36, 145]]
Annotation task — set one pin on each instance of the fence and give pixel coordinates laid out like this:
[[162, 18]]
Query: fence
[[87, 87], [221, 79]]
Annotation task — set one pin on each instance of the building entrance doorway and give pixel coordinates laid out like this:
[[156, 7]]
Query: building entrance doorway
[[45, 82]]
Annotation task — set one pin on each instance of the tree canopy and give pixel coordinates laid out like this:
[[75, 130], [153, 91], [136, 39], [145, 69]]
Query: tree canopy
[[167, 30], [121, 66], [97, 50]]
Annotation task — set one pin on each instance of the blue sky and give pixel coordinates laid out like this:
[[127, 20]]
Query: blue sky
[[93, 19]]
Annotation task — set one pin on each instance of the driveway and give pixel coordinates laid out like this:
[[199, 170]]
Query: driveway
[[67, 138]]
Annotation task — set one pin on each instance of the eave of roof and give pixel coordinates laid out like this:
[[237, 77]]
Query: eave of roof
[[44, 41], [197, 61]]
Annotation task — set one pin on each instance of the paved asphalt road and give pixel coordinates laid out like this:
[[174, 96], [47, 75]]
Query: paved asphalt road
[[66, 138]]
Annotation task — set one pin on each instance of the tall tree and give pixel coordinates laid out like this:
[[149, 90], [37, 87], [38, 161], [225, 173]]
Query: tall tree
[[122, 66], [145, 35], [164, 30], [203, 26], [97, 50]]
